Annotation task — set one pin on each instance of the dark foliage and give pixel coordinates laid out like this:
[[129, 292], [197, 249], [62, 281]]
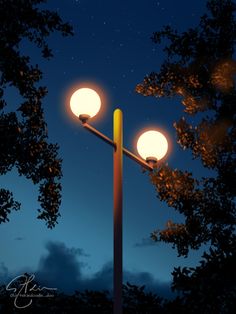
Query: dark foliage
[[136, 301], [199, 68], [23, 133]]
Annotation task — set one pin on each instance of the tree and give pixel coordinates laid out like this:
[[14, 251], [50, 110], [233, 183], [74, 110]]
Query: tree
[[23, 133], [199, 67], [136, 300]]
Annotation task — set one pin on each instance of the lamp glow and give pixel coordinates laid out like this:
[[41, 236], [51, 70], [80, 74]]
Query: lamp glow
[[152, 145], [85, 101]]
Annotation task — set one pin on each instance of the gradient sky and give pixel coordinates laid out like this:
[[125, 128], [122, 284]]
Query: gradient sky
[[112, 50]]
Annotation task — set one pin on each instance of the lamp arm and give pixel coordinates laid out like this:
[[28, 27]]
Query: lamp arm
[[106, 139], [99, 134], [140, 161]]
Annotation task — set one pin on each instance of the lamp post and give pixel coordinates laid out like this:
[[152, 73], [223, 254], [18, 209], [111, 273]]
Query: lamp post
[[152, 146]]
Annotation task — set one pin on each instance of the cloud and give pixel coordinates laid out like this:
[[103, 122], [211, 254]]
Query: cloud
[[145, 242], [19, 238], [151, 284], [61, 267]]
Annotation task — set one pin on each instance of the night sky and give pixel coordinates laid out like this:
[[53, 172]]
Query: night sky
[[112, 50]]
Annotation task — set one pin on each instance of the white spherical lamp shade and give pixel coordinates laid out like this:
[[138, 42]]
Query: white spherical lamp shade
[[152, 144], [85, 101]]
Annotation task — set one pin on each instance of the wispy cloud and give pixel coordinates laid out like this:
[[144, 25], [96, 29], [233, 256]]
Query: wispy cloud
[[19, 238], [145, 242]]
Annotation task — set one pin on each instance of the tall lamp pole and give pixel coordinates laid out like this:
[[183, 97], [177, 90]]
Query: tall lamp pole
[[117, 198], [152, 146]]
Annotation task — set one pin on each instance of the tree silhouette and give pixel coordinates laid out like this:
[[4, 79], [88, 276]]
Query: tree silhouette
[[136, 301], [199, 68], [23, 133]]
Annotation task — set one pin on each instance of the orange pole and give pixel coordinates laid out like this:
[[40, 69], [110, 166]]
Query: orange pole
[[117, 185]]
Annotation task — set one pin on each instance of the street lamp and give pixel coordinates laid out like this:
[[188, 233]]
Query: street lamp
[[85, 101], [152, 146]]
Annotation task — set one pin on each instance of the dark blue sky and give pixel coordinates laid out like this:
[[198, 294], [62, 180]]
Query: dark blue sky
[[112, 49]]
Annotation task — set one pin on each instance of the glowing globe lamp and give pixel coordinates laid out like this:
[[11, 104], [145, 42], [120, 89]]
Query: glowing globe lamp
[[85, 103], [152, 145]]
